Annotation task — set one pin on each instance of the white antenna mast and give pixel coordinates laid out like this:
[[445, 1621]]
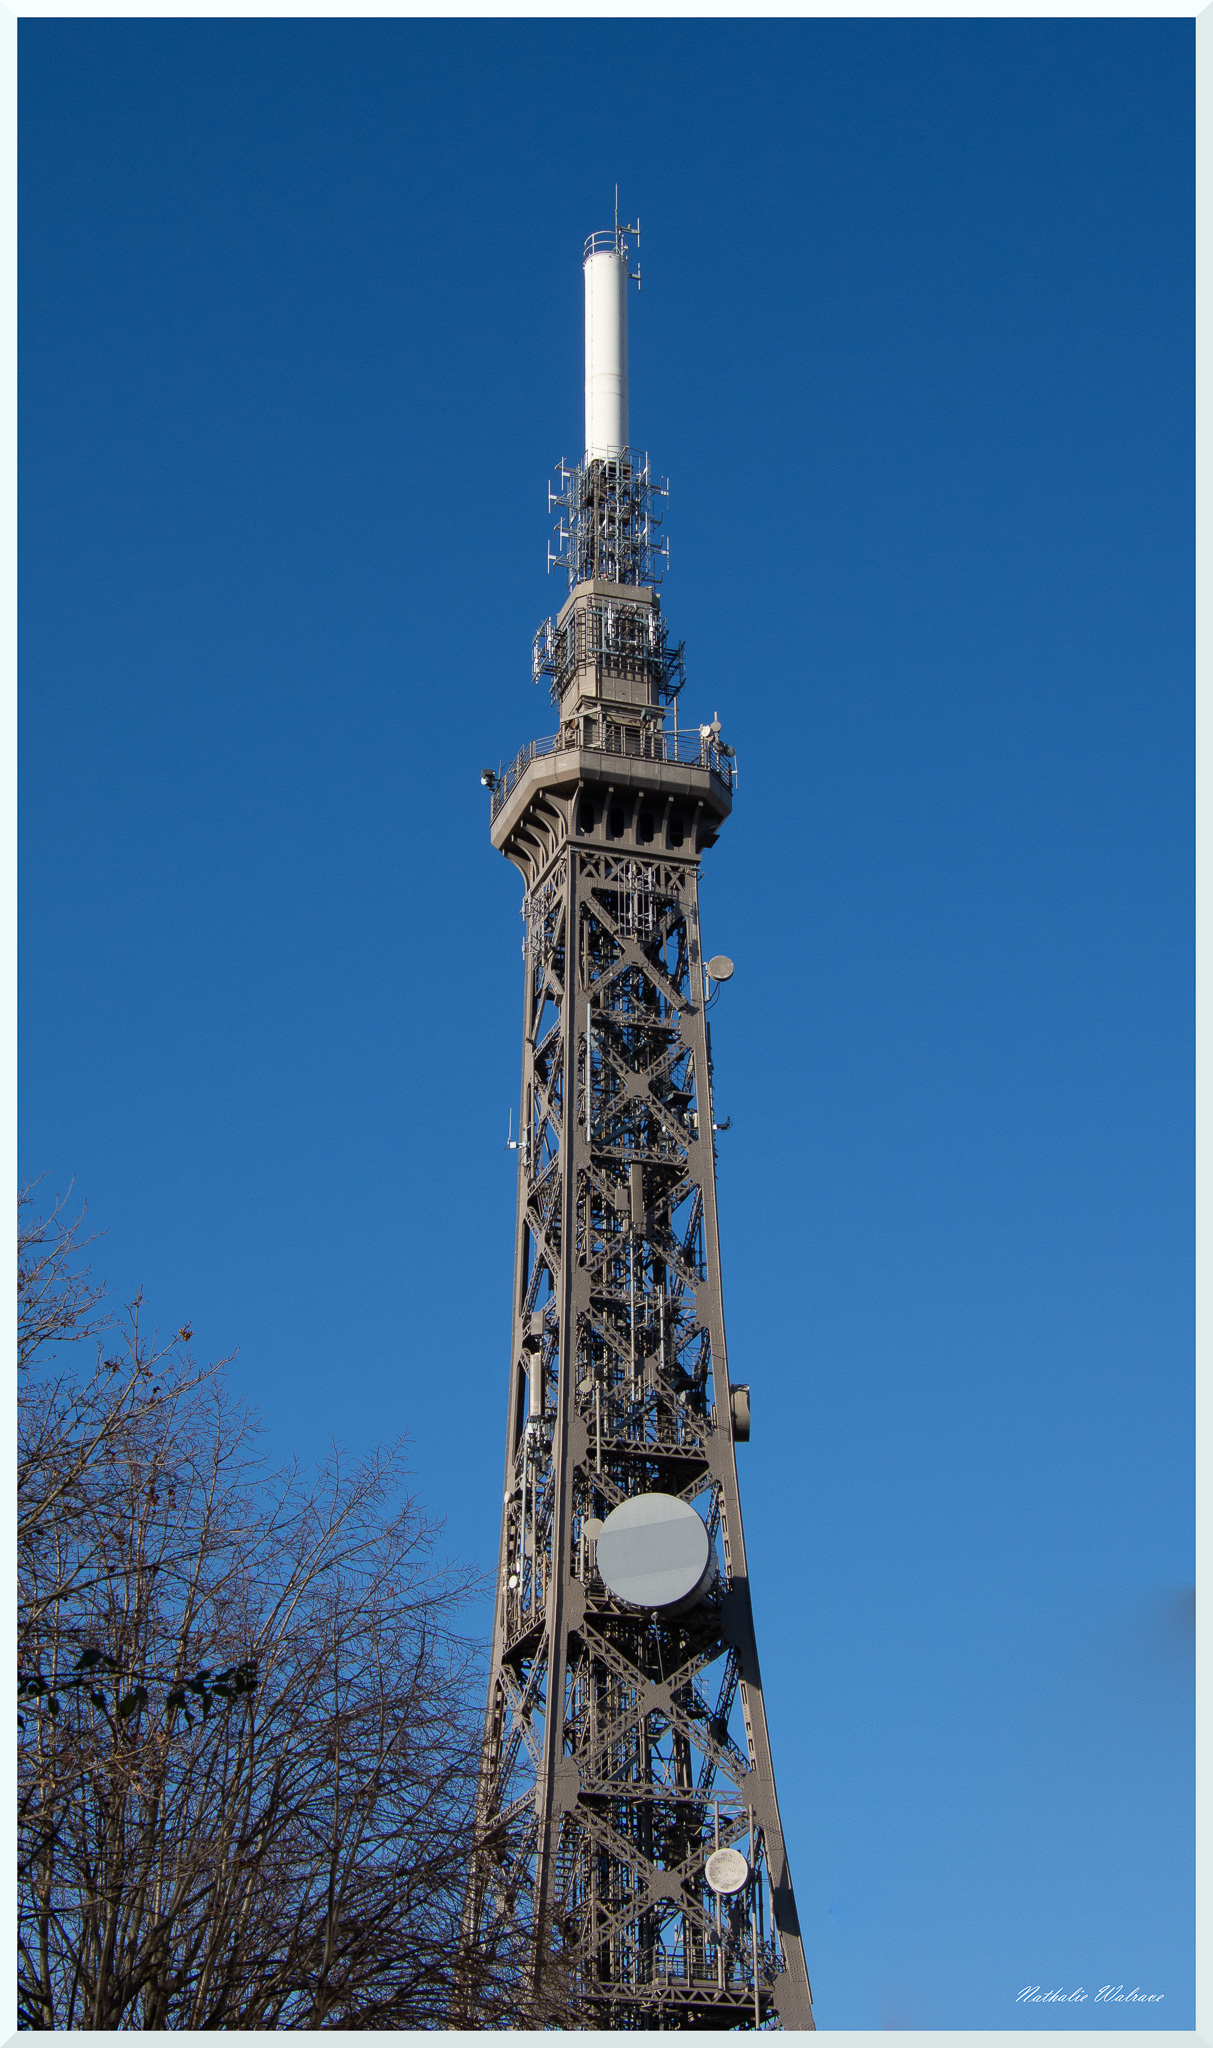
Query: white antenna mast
[[606, 339]]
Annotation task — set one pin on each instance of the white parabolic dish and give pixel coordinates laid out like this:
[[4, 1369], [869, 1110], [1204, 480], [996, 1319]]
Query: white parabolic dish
[[726, 1870], [653, 1551]]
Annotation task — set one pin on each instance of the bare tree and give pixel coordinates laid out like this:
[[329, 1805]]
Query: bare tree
[[249, 1742], [72, 1418]]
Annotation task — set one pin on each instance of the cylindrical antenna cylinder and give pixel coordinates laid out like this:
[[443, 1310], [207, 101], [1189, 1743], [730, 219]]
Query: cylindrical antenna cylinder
[[606, 348]]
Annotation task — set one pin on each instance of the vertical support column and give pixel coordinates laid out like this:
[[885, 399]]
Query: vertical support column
[[549, 1792], [793, 1993]]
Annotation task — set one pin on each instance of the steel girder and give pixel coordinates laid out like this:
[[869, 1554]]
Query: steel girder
[[622, 1746]]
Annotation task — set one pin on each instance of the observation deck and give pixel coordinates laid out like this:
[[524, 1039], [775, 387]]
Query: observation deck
[[633, 785]]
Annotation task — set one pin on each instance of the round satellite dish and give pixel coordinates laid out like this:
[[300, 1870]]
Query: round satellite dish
[[591, 1528], [720, 967], [726, 1870], [653, 1551]]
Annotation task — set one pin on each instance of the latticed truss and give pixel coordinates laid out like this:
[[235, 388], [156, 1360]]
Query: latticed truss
[[614, 642], [622, 1746], [610, 520]]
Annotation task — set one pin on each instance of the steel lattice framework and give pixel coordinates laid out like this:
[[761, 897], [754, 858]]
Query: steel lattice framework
[[611, 1764], [622, 1745]]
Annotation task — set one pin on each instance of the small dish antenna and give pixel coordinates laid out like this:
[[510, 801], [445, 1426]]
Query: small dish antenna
[[720, 967], [726, 1871]]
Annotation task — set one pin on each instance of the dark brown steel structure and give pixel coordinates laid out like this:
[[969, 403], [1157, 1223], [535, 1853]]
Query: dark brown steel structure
[[623, 1745]]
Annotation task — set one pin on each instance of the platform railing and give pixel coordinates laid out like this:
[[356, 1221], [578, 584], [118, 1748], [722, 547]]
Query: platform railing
[[598, 735]]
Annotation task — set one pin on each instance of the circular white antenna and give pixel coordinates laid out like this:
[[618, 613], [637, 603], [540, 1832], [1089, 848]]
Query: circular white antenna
[[720, 967], [653, 1551], [726, 1871]]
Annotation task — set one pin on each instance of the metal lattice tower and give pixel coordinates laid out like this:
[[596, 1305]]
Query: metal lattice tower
[[625, 1738]]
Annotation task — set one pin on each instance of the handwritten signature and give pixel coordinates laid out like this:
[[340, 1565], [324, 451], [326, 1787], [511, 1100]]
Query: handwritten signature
[[1108, 1994]]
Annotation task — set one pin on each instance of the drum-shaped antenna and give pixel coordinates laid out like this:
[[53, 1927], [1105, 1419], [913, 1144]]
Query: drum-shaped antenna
[[653, 1551]]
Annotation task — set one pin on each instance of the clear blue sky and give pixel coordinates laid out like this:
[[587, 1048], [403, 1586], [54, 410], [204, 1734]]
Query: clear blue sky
[[301, 341]]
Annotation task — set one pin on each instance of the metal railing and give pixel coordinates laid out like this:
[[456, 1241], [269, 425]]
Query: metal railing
[[698, 748], [610, 241]]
